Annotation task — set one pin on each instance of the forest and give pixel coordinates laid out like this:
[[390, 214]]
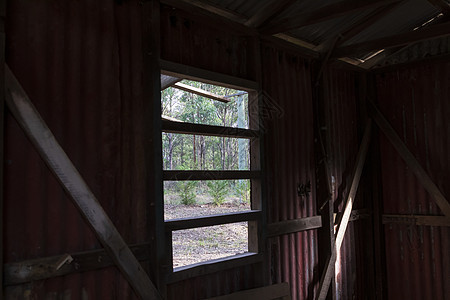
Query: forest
[[198, 152]]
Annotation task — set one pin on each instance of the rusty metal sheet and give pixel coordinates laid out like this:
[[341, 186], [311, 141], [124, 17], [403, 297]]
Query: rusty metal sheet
[[83, 75], [414, 99], [197, 42], [289, 158], [353, 264]]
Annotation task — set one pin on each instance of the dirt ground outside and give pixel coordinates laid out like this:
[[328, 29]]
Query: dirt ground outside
[[202, 244]]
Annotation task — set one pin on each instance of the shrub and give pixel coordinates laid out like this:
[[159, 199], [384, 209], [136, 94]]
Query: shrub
[[218, 189], [243, 191], [187, 192]]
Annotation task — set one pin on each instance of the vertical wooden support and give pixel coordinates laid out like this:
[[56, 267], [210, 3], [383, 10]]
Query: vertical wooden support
[[324, 186], [2, 122], [379, 260], [328, 274], [151, 116]]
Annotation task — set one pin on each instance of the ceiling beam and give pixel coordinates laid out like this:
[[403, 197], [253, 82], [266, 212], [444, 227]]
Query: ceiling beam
[[323, 14], [268, 12], [443, 5], [430, 32], [212, 8]]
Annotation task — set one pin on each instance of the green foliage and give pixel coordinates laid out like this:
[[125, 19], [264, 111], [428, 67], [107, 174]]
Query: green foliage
[[187, 192], [243, 190], [218, 189]]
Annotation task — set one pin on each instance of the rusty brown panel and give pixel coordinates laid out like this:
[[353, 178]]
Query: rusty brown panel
[[80, 63], [221, 283], [414, 99], [289, 158], [342, 132], [200, 43]]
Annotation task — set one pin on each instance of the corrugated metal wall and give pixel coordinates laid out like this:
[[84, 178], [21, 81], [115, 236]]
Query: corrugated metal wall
[[343, 129], [80, 63], [415, 100], [194, 41], [198, 42], [289, 158]]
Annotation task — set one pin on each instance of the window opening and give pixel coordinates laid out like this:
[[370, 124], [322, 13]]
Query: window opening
[[209, 169]]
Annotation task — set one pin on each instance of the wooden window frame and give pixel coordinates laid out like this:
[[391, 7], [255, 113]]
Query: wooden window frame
[[254, 216]]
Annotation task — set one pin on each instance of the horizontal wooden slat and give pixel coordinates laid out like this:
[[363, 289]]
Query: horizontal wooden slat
[[291, 226], [209, 130], [417, 220], [213, 266], [188, 72], [275, 291], [47, 267], [177, 175], [200, 92], [204, 221]]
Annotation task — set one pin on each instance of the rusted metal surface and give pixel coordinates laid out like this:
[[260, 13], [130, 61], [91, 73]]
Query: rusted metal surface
[[414, 99], [79, 62], [353, 265], [197, 42], [289, 144]]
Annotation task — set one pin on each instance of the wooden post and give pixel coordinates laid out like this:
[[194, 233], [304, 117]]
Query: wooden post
[[328, 274], [324, 185], [152, 143], [2, 124], [66, 173]]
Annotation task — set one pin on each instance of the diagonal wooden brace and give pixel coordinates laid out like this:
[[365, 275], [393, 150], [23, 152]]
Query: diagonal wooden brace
[[410, 160], [328, 273], [66, 173]]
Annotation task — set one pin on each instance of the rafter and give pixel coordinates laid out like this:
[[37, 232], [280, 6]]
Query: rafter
[[267, 12], [323, 14], [443, 5], [431, 32]]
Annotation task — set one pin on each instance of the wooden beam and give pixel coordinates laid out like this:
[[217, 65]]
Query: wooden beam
[[410, 160], [209, 130], [212, 220], [276, 291], [267, 12], [167, 81], [365, 22], [177, 175], [214, 9], [417, 220], [427, 33], [188, 72], [214, 266], [328, 273], [292, 226], [325, 13], [2, 134], [204, 12], [200, 92], [66, 173], [285, 40], [50, 267], [443, 5]]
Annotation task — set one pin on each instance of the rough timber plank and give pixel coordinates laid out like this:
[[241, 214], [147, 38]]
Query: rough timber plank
[[328, 274], [66, 173], [410, 160]]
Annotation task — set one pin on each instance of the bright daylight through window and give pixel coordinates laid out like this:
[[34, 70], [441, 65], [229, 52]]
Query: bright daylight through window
[[211, 171]]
